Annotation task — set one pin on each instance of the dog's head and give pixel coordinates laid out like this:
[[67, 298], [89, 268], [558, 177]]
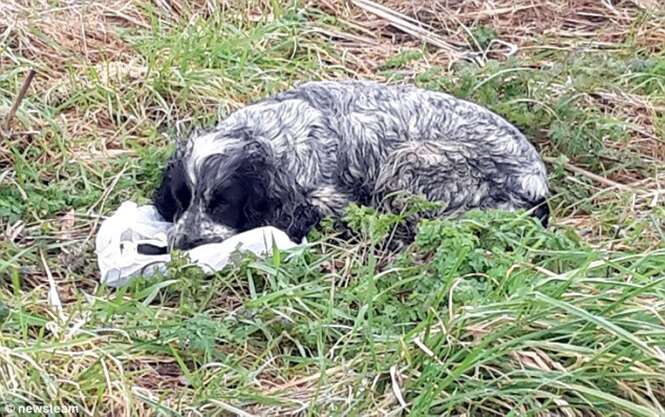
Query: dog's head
[[222, 183]]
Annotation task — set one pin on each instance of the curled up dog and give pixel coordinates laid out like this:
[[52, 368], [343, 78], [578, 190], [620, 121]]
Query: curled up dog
[[304, 154]]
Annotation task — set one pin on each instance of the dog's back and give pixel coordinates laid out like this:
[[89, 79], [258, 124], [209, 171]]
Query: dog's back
[[402, 137]]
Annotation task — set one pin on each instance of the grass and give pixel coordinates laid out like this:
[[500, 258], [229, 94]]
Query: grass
[[489, 315]]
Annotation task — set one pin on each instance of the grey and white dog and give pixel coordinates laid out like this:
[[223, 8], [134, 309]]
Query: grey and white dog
[[294, 158]]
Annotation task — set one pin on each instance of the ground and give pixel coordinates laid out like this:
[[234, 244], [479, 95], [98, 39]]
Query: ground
[[490, 315]]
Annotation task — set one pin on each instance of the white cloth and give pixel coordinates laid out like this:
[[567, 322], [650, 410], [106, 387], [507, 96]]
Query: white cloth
[[119, 236]]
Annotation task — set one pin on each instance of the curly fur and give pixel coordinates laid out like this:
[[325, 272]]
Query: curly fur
[[306, 153]]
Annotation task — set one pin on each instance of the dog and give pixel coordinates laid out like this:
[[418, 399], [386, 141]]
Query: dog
[[306, 153]]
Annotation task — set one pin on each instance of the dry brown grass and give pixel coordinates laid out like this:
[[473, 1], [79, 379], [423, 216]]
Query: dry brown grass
[[522, 26]]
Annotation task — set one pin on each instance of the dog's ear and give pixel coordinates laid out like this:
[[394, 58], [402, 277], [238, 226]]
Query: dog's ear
[[273, 195], [172, 195], [163, 197], [258, 175]]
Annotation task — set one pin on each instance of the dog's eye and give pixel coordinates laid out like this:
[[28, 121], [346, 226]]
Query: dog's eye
[[219, 206], [218, 198]]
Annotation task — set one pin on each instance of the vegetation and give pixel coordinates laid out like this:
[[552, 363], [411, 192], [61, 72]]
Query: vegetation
[[488, 315]]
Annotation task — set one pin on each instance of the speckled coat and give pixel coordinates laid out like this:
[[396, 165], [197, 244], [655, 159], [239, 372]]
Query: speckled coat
[[308, 152]]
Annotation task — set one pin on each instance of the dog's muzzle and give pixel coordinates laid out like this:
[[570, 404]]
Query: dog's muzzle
[[194, 230]]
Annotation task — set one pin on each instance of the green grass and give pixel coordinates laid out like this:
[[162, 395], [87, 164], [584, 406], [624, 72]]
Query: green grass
[[488, 315]]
